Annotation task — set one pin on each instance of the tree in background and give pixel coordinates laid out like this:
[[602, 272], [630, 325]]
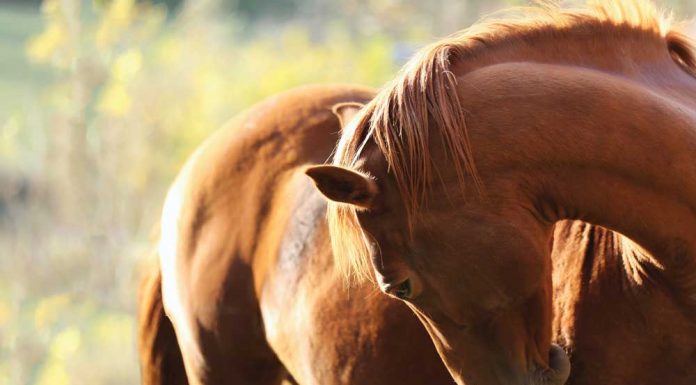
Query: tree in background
[[128, 93]]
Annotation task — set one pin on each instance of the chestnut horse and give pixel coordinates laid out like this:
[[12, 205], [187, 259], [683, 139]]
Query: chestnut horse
[[245, 270], [449, 184], [587, 260], [335, 332]]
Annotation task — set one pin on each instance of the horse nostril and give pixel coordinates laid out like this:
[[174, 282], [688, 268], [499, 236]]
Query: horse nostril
[[559, 364]]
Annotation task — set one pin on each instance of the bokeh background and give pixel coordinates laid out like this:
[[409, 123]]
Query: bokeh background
[[101, 102]]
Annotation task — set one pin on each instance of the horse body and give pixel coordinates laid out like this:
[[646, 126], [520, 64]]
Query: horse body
[[580, 117], [450, 183], [247, 275], [277, 307]]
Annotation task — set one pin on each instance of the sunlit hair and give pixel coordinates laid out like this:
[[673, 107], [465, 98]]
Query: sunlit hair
[[424, 97]]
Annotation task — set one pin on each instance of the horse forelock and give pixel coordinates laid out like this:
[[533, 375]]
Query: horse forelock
[[424, 97]]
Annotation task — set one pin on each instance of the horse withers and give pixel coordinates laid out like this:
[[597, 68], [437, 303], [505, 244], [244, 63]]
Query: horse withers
[[245, 291], [449, 185]]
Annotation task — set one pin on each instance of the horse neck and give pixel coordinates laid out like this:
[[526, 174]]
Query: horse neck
[[641, 181], [598, 146], [583, 256], [605, 291], [605, 263]]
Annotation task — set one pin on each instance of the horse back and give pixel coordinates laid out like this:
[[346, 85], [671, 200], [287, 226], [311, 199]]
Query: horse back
[[219, 215]]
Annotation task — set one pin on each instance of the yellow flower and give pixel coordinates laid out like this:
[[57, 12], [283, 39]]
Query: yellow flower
[[66, 343], [127, 65], [41, 48], [49, 309], [5, 312], [62, 348], [120, 15], [53, 373], [114, 100]]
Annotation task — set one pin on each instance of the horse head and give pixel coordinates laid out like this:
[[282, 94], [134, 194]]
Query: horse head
[[477, 278], [466, 244]]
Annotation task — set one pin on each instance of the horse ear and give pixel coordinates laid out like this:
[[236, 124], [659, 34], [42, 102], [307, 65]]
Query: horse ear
[[340, 184], [346, 111]]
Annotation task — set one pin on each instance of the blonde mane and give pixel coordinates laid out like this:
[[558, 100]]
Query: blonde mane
[[423, 96]]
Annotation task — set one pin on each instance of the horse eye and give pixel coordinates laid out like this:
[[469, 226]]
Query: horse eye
[[402, 290]]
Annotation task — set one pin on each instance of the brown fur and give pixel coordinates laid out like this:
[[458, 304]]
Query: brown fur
[[421, 99], [160, 357], [619, 325], [247, 272], [584, 115]]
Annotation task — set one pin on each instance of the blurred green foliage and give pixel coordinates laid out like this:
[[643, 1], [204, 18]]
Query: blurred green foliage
[[125, 94], [100, 103]]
